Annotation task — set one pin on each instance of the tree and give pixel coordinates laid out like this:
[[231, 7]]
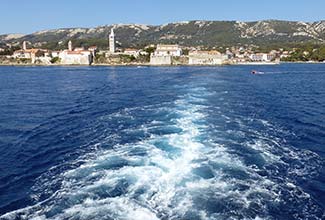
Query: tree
[[55, 60]]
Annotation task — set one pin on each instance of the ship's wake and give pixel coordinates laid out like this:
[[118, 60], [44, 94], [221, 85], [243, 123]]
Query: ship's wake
[[185, 168]]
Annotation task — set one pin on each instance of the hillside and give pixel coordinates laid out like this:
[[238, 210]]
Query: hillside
[[189, 33]]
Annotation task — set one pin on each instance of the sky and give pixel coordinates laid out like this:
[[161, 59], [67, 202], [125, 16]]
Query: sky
[[27, 16]]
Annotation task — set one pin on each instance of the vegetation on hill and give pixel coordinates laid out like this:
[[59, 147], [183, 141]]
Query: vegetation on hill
[[9, 51], [307, 53], [206, 34]]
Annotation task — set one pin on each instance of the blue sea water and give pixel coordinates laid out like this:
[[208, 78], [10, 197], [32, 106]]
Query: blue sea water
[[162, 143]]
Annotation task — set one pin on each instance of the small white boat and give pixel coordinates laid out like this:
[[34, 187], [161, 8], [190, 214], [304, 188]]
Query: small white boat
[[256, 72]]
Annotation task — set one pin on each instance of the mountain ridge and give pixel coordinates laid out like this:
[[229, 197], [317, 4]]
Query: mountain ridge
[[187, 33]]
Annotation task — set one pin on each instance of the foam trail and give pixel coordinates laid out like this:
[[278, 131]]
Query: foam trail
[[186, 169], [132, 186]]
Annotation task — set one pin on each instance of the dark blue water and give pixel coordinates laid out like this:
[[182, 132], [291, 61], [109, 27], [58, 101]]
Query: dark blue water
[[162, 143]]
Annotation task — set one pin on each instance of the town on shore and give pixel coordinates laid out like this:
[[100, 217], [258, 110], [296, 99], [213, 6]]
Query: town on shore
[[156, 55]]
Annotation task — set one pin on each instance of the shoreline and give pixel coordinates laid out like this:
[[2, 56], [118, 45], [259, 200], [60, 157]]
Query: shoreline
[[149, 65]]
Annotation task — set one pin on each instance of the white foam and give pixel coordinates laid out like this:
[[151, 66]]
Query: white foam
[[159, 175], [122, 183]]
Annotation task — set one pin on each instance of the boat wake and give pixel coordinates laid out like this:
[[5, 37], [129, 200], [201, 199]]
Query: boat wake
[[185, 168]]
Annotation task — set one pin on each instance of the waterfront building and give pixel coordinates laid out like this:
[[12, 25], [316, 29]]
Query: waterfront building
[[33, 54], [239, 55], [268, 57], [78, 56], [112, 48], [284, 54], [164, 54], [206, 58], [262, 57], [168, 50], [25, 53], [160, 60], [132, 52]]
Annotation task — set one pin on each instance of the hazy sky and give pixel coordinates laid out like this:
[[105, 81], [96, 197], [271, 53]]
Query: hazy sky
[[26, 16]]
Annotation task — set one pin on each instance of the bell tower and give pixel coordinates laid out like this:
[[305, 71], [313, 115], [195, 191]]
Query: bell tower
[[70, 45], [24, 45], [112, 41]]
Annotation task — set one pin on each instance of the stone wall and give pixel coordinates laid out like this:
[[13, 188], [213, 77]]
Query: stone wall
[[76, 59], [160, 60], [206, 60]]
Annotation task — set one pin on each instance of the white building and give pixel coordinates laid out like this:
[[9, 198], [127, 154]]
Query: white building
[[206, 58], [25, 54], [262, 57], [132, 52], [164, 54], [34, 54], [31, 54], [160, 60], [285, 54], [112, 48], [76, 57], [168, 50], [79, 56], [55, 53]]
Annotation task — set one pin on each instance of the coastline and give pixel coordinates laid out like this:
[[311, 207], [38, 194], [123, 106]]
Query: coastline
[[149, 65]]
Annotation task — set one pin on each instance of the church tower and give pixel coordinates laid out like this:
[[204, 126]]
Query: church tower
[[112, 41], [24, 45], [70, 45]]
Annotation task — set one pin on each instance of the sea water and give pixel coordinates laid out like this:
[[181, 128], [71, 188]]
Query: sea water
[[162, 142]]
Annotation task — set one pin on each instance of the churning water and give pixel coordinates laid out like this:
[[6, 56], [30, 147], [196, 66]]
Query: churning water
[[162, 143]]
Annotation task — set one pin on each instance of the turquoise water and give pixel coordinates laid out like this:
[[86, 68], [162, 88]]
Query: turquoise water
[[162, 143]]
